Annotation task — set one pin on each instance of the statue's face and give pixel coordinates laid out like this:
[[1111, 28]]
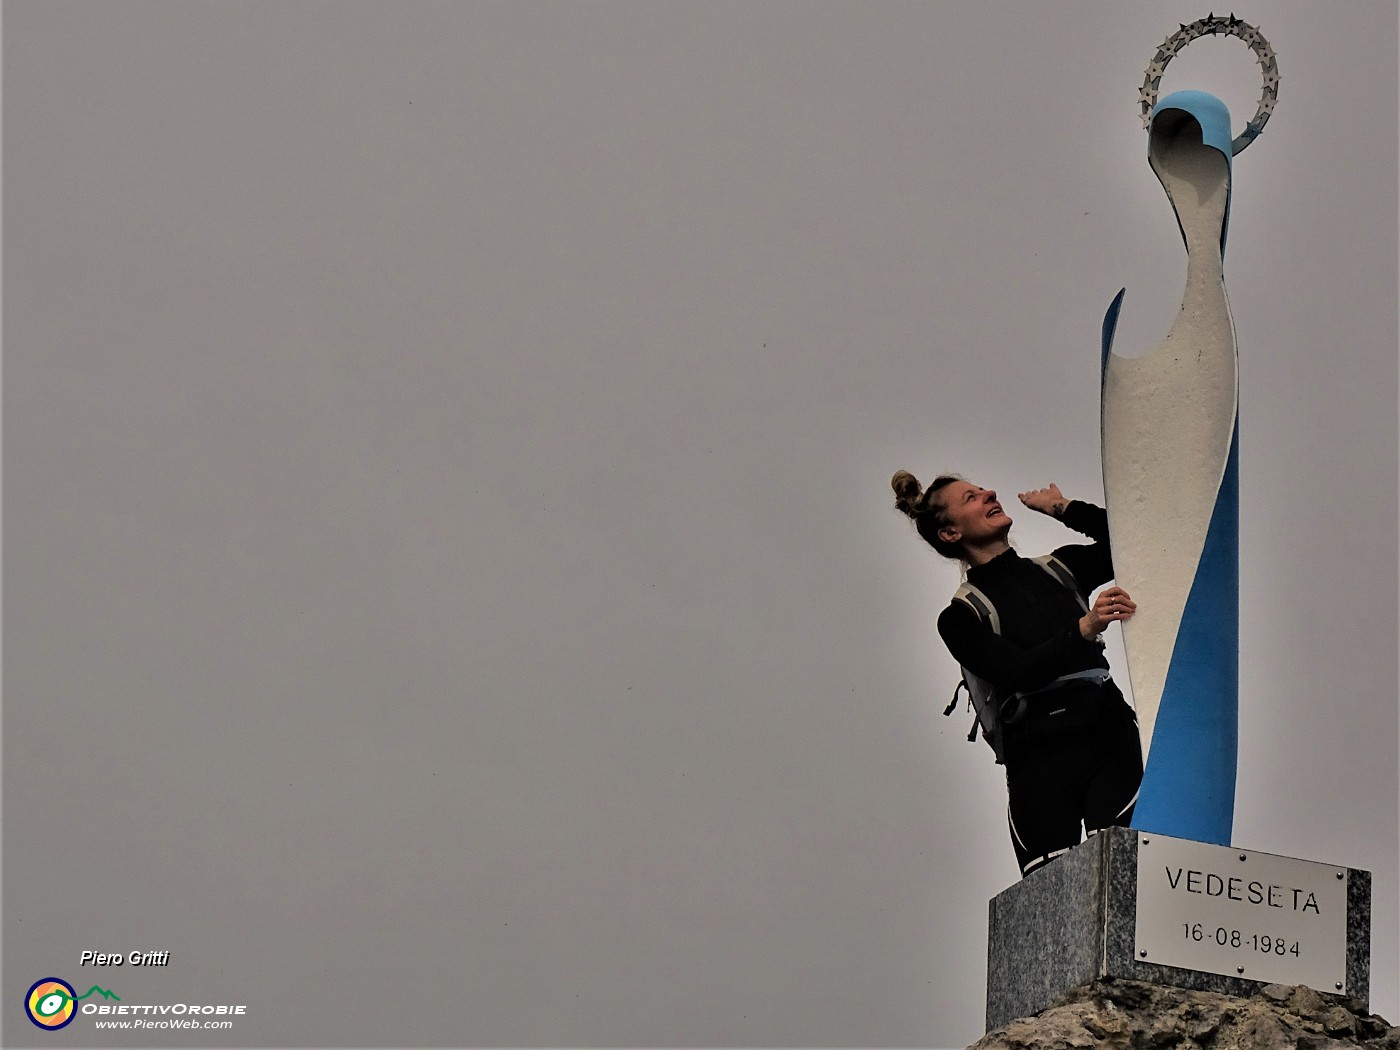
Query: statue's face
[[975, 515]]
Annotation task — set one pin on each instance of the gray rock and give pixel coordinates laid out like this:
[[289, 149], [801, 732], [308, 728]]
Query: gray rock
[[1130, 1015], [1305, 1002], [1337, 1020]]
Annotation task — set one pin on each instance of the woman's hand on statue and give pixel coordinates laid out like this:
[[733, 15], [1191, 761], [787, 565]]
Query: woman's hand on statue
[[1112, 604], [1049, 500]]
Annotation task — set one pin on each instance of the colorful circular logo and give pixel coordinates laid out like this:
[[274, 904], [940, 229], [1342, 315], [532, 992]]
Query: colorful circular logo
[[49, 1003]]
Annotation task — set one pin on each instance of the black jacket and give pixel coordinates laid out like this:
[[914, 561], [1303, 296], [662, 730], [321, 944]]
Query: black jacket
[[1040, 639]]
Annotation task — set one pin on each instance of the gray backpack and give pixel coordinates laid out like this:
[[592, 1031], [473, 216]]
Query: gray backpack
[[994, 707]]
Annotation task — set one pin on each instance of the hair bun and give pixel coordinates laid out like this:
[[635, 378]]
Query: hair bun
[[907, 491]]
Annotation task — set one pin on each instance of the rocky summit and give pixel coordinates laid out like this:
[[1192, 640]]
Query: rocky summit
[[1128, 1015]]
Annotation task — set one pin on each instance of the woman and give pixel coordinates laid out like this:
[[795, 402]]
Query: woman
[[1071, 750]]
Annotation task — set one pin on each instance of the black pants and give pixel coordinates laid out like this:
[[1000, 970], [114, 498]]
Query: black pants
[[1061, 778]]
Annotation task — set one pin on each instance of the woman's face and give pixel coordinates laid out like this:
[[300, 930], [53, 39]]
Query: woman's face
[[973, 513]]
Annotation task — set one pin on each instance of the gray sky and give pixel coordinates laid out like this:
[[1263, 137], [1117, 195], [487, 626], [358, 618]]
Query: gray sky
[[452, 589]]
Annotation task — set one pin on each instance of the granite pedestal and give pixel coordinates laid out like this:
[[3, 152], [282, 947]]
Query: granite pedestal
[[1074, 921]]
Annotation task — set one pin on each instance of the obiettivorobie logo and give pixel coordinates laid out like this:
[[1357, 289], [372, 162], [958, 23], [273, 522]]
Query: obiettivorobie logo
[[52, 1003]]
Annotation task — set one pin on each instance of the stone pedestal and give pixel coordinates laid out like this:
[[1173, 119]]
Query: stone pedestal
[[1075, 920]]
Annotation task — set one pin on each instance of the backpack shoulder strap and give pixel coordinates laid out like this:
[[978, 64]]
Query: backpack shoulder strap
[[1061, 572], [980, 604]]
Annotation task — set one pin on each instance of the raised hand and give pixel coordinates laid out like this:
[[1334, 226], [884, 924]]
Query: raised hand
[[1049, 500]]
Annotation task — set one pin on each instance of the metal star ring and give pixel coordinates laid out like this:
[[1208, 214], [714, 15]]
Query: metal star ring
[[1213, 25]]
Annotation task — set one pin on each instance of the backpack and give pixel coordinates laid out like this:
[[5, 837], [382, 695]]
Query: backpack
[[995, 708]]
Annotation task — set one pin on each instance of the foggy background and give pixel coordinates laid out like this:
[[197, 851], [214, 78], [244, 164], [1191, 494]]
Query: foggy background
[[452, 589]]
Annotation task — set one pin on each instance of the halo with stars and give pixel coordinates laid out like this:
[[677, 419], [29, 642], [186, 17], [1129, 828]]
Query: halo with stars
[[1213, 25]]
